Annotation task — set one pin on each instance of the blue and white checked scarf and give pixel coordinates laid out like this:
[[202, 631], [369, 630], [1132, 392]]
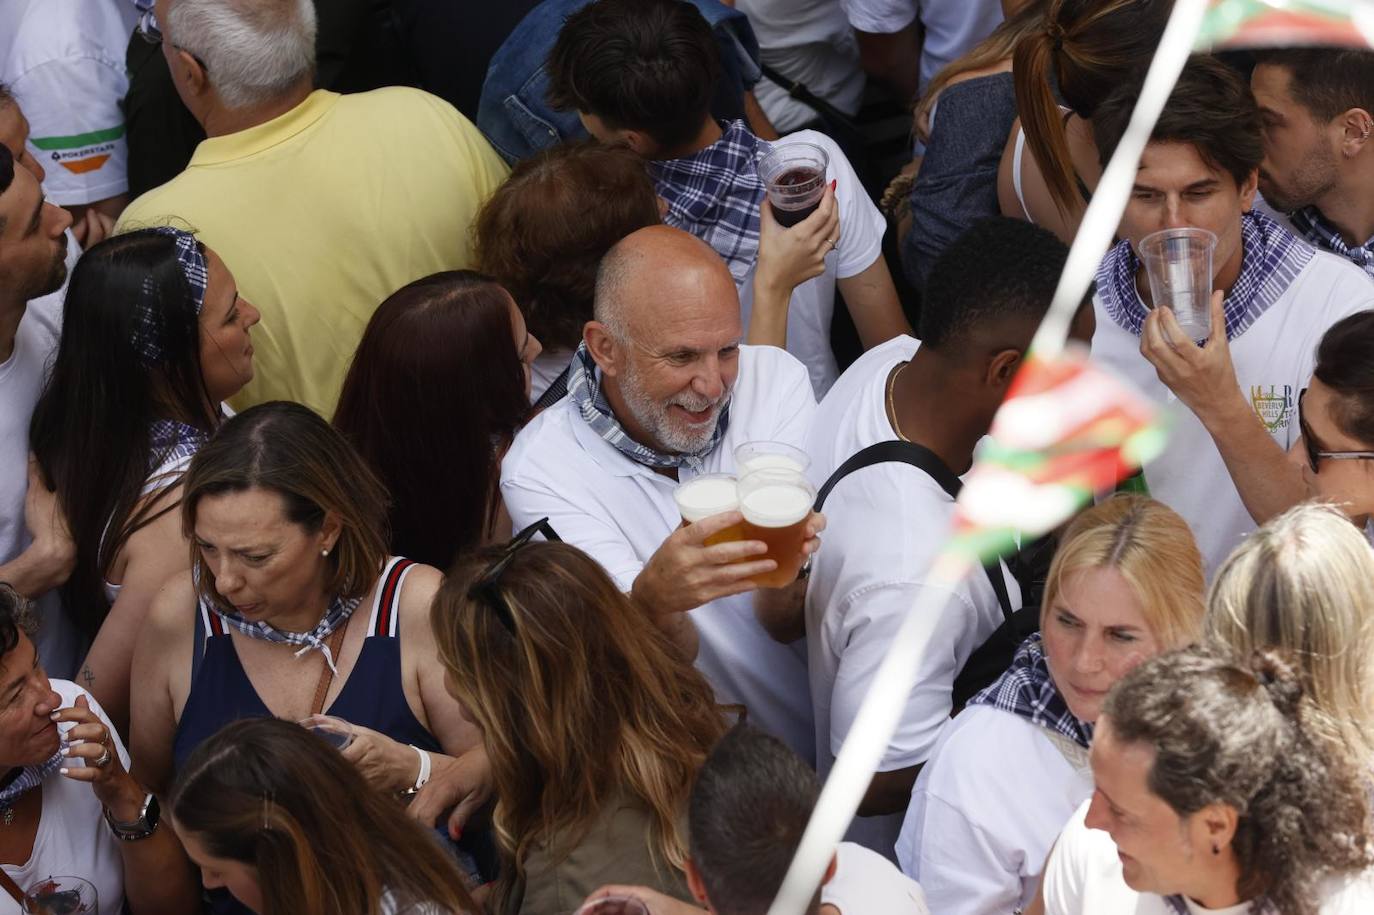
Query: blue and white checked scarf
[[716, 193], [148, 315], [584, 387], [1271, 258], [172, 441], [31, 777], [1312, 225], [1025, 689], [1259, 906]]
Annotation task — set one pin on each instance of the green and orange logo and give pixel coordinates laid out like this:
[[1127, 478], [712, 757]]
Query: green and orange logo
[[83, 152]]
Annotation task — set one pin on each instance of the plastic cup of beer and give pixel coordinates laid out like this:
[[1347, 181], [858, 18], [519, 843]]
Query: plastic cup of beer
[[753, 456], [1178, 264], [776, 503], [334, 731], [614, 905], [61, 896], [710, 494]]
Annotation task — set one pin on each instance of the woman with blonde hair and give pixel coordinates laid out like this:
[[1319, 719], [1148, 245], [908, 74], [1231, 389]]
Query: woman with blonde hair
[[594, 721], [1304, 582], [278, 817], [1008, 771]]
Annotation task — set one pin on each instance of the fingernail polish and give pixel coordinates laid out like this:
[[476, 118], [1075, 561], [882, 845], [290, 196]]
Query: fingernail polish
[[54, 715], [63, 771], [75, 743]]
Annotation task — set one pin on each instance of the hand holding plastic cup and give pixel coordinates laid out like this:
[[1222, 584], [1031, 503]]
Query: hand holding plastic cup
[[707, 495], [334, 731], [614, 905], [776, 502], [794, 176], [753, 456], [1178, 263]]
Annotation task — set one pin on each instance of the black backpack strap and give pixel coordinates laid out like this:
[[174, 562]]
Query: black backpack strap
[[927, 461]]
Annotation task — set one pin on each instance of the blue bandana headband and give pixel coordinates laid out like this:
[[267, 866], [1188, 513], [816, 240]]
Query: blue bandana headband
[[148, 326]]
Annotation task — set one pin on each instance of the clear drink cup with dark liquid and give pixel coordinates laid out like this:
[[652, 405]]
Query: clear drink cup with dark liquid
[[794, 175]]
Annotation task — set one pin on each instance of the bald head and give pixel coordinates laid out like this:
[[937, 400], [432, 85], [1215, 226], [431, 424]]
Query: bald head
[[657, 268]]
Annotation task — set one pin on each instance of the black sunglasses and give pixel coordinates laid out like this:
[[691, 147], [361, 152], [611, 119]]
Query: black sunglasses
[[1314, 452], [487, 586]]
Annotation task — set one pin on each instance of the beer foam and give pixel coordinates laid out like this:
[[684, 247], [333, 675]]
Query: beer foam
[[776, 505], [706, 496], [771, 461]]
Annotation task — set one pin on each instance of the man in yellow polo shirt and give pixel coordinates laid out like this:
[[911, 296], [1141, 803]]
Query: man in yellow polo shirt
[[321, 204]]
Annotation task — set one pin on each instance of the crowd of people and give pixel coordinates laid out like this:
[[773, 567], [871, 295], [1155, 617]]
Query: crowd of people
[[322, 311]]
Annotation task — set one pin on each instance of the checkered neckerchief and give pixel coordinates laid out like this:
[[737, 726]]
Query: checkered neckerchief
[[1312, 225], [1026, 689], [716, 193], [1271, 258], [173, 441], [584, 388]]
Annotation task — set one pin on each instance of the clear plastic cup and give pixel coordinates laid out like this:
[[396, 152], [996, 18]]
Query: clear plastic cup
[[776, 503], [753, 456], [1178, 263], [614, 905], [334, 731], [794, 175], [707, 495], [61, 896]]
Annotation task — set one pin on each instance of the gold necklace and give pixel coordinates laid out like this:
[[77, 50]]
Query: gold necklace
[[891, 409]]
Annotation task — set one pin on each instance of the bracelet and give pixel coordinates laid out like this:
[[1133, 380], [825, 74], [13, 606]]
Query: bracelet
[[425, 765]]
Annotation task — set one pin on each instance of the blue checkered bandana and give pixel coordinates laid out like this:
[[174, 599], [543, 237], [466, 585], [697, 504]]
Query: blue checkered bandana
[[1259, 906], [1271, 258], [584, 388], [31, 777], [716, 193], [1312, 225], [147, 313], [173, 441], [1025, 689]]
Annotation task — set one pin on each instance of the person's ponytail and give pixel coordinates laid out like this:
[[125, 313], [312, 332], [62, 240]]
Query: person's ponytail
[[1032, 75]]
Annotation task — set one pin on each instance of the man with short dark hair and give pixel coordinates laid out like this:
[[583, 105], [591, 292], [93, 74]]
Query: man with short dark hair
[[1278, 296], [886, 523], [1318, 110], [642, 73]]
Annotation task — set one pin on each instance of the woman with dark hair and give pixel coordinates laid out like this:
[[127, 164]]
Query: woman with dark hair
[[154, 337], [277, 817], [594, 722], [1215, 794], [293, 607], [451, 346], [1084, 51]]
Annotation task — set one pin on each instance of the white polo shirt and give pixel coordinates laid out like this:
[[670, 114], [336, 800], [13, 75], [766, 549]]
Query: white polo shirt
[[866, 883], [986, 809], [951, 27], [620, 512], [1273, 359], [884, 526]]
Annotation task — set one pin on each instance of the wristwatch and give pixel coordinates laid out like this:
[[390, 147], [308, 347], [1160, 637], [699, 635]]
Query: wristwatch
[[141, 828]]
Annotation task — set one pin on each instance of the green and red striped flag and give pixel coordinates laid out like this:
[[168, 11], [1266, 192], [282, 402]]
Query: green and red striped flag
[[1281, 23]]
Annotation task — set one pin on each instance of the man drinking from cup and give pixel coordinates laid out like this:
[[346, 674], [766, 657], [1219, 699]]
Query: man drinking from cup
[[661, 393], [1278, 295]]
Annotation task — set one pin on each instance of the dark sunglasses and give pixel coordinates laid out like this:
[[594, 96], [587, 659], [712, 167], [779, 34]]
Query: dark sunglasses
[[1314, 452], [487, 587]]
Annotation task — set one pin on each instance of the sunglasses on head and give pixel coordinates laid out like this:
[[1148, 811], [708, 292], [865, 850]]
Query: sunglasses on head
[[487, 587], [1314, 452]]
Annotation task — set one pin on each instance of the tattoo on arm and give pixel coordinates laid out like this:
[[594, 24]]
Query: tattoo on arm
[[87, 676]]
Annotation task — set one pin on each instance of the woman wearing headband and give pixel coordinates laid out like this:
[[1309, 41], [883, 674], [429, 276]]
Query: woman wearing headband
[[154, 337], [293, 608], [67, 802]]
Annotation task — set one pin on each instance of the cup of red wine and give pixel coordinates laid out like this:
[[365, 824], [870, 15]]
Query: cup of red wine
[[794, 174]]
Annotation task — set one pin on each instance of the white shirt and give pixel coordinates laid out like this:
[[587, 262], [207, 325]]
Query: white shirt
[[545, 369], [1083, 877], [1273, 360], [952, 27], [866, 883], [813, 302], [64, 61], [73, 838], [620, 512], [986, 809], [884, 526], [811, 42]]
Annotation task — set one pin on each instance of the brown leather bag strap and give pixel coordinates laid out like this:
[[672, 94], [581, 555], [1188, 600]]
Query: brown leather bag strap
[[327, 675], [12, 888]]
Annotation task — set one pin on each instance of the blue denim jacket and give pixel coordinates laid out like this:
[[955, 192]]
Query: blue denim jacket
[[514, 112]]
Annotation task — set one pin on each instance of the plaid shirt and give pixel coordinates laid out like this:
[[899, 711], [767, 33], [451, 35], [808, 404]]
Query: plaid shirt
[[1312, 225], [1271, 258], [716, 193], [584, 387], [1025, 689]]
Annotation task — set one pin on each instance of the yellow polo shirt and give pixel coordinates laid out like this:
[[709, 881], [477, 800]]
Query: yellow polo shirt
[[321, 214]]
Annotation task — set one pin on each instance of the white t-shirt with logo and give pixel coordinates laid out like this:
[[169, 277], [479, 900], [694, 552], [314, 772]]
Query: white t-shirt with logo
[[884, 526], [813, 302], [986, 809], [866, 883], [73, 839], [1083, 877], [620, 512], [1273, 360], [951, 27], [64, 61]]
